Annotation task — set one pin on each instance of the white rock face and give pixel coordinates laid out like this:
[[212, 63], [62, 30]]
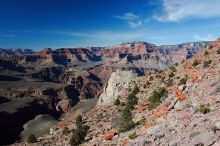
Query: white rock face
[[118, 81]]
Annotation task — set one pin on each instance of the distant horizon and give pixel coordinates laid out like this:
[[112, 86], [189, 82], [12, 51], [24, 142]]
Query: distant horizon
[[73, 23], [38, 49]]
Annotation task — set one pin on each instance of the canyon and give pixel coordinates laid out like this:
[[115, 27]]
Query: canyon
[[55, 81]]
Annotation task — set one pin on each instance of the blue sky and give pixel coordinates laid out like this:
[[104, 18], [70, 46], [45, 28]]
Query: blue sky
[[79, 23]]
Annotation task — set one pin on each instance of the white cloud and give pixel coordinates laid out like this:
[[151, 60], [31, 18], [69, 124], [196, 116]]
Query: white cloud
[[131, 19], [176, 10], [209, 37], [103, 35]]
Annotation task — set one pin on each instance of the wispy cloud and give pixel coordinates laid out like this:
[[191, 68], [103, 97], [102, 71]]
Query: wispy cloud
[[208, 37], [177, 10], [105, 35], [8, 35], [131, 19]]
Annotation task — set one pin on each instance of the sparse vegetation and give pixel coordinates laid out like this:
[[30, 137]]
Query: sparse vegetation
[[204, 109], [158, 76], [182, 81], [132, 136], [169, 82], [154, 100], [151, 78], [207, 63], [173, 69], [78, 120], [31, 139], [171, 75], [132, 100], [147, 83], [195, 62], [206, 53], [65, 131], [176, 64], [218, 51], [125, 122], [79, 133], [117, 102]]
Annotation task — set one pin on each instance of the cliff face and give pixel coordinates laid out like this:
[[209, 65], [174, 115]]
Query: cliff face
[[118, 82]]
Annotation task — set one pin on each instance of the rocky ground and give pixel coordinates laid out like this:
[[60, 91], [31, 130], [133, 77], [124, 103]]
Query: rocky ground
[[188, 115]]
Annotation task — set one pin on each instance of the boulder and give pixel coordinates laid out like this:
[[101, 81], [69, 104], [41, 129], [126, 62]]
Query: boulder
[[204, 138], [109, 135], [217, 125]]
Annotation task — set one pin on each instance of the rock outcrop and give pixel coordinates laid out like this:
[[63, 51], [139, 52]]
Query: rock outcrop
[[118, 82]]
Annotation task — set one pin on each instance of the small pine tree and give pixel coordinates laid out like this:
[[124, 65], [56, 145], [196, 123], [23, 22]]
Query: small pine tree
[[207, 63], [79, 133], [218, 51], [31, 139], [204, 109], [195, 62], [182, 81], [173, 69], [133, 135], [78, 120], [117, 102], [206, 53], [65, 131], [154, 100], [125, 122], [171, 75]]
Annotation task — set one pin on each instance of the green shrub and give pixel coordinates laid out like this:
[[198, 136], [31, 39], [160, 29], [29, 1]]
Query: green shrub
[[171, 75], [218, 51], [204, 109], [206, 53], [145, 86], [147, 83], [176, 64], [154, 100], [169, 82], [158, 76], [173, 69], [195, 62], [117, 102], [79, 133], [132, 100], [65, 131], [207, 63], [182, 81], [136, 89], [31, 139], [151, 78], [78, 120], [133, 135], [125, 121]]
